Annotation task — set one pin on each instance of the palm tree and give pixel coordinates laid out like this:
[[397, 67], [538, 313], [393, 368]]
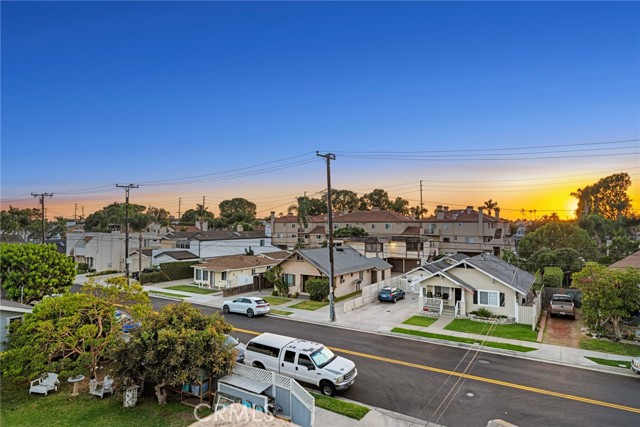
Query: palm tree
[[490, 205]]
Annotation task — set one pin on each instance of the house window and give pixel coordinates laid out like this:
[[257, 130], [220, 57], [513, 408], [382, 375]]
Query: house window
[[373, 226], [414, 246], [488, 298], [183, 244], [318, 236], [205, 275], [253, 271], [293, 236], [373, 247], [289, 279], [446, 240], [459, 225], [336, 226], [430, 228], [293, 226], [198, 274], [223, 275], [469, 240], [387, 226], [446, 226], [261, 242]]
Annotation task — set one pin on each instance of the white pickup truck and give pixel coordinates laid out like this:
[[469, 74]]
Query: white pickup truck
[[302, 360], [562, 305]]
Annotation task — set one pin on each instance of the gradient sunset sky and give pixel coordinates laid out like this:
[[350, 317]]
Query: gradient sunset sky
[[519, 102]]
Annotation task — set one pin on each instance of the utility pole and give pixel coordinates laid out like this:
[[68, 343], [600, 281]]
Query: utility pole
[[421, 205], [332, 286], [75, 212], [42, 196], [179, 207], [203, 197], [82, 217], [126, 229]]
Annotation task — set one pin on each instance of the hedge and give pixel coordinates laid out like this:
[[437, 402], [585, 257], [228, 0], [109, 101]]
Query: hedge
[[169, 271], [552, 277], [318, 289]]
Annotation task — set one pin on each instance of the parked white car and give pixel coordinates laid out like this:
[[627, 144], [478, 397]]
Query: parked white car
[[635, 365], [251, 306]]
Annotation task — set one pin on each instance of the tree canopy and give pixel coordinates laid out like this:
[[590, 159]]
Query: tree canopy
[[113, 215], [607, 295], [199, 214], [556, 235], [236, 210], [608, 197], [33, 271], [350, 232], [177, 345], [72, 333]]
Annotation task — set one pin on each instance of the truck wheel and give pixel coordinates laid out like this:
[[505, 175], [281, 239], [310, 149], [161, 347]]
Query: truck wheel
[[249, 313], [327, 388], [258, 365], [225, 309]]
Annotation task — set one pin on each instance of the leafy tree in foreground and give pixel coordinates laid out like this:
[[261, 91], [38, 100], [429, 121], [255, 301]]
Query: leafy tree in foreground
[[34, 271], [73, 333], [177, 345], [274, 276], [607, 295]]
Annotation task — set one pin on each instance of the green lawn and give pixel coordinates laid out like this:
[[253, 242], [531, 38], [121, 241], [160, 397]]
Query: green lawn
[[610, 347], [420, 320], [169, 294], [309, 305], [332, 404], [276, 300], [281, 312], [463, 340], [514, 331], [607, 362], [351, 295], [60, 409], [194, 289]]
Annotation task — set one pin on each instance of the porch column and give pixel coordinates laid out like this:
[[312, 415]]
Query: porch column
[[420, 299]]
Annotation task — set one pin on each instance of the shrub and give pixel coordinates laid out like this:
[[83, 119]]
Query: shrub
[[82, 267], [178, 270], [318, 289], [552, 277], [483, 312], [274, 293]]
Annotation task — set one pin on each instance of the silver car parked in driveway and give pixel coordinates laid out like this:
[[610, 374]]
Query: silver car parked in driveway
[[251, 306]]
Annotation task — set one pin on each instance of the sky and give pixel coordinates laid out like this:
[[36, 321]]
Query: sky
[[518, 102]]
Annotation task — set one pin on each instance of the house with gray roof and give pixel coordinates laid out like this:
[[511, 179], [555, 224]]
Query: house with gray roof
[[465, 284], [352, 270], [10, 311]]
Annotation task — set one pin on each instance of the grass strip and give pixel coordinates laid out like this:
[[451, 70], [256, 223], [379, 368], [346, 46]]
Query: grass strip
[[338, 406], [192, 289], [281, 312], [351, 295], [514, 331], [607, 362], [420, 320], [276, 300], [504, 346], [611, 347], [309, 305], [168, 294]]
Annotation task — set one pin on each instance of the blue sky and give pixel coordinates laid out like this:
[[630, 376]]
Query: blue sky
[[99, 93]]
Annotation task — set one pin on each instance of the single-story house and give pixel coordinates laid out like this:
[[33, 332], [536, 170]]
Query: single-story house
[[470, 283], [231, 270], [351, 269], [10, 311], [631, 261]]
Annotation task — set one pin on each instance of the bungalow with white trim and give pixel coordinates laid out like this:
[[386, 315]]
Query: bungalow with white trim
[[351, 270], [466, 284], [232, 270]]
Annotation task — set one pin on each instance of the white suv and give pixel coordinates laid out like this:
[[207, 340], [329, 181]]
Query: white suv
[[251, 306]]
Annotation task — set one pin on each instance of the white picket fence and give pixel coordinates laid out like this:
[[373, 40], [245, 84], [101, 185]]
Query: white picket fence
[[530, 315]]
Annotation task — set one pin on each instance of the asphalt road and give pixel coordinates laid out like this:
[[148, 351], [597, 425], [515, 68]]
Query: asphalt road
[[423, 380]]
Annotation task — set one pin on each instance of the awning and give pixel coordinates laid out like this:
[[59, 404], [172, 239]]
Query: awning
[[255, 386]]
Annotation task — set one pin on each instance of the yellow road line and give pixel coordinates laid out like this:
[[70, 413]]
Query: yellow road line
[[477, 378]]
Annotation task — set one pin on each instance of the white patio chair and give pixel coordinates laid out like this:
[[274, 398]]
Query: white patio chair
[[43, 385], [103, 387]]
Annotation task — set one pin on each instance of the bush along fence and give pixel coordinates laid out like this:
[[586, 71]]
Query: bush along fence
[[169, 271]]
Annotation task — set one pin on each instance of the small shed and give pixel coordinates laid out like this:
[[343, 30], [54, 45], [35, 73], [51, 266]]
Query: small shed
[[10, 311]]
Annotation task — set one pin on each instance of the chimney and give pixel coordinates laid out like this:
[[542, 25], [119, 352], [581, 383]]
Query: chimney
[[469, 210], [497, 213], [439, 212], [446, 209], [413, 214], [480, 220]]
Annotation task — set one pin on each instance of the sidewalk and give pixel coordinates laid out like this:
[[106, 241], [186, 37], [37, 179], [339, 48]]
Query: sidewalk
[[381, 318]]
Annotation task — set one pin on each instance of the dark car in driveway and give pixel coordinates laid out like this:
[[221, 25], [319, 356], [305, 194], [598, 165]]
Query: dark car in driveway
[[390, 294]]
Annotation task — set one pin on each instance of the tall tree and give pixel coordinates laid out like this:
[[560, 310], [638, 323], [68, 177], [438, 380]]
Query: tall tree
[[556, 235], [608, 197], [490, 205], [110, 217], [31, 271], [400, 205], [342, 200], [620, 247], [199, 214], [177, 345], [73, 333], [378, 198], [607, 295], [237, 210], [159, 216]]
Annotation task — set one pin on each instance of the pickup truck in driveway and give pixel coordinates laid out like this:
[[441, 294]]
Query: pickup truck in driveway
[[562, 305]]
